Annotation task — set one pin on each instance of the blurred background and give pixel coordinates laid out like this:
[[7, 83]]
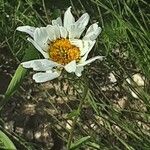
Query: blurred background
[[116, 111]]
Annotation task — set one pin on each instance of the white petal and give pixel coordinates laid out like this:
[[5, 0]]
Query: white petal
[[90, 61], [58, 21], [63, 32], [84, 58], [92, 32], [71, 67], [68, 19], [40, 64], [27, 29], [85, 46], [57, 31], [47, 76], [83, 20], [41, 37], [72, 32], [79, 26], [53, 32], [78, 71], [38, 48]]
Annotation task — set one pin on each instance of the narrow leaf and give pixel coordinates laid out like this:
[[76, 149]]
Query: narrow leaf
[[16, 80], [5, 142], [79, 142], [18, 76], [94, 145], [73, 114]]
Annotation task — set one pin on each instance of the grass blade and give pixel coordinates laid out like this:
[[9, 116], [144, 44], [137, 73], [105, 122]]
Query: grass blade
[[77, 144]]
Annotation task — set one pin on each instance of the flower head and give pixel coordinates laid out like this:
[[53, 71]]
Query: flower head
[[61, 46]]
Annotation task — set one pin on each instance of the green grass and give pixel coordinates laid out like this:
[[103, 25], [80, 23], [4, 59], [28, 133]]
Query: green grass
[[124, 42]]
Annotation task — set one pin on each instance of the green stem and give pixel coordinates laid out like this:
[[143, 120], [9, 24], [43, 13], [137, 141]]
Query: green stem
[[76, 117]]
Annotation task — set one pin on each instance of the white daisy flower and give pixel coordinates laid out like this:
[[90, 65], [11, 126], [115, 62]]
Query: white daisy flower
[[61, 46]]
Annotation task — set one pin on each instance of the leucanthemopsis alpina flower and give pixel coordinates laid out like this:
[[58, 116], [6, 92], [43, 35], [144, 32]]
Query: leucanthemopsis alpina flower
[[62, 46]]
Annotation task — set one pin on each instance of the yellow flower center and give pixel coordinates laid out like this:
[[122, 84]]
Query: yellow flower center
[[63, 52]]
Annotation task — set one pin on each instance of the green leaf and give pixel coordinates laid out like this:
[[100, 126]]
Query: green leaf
[[5, 142], [93, 145], [18, 76], [16, 81], [92, 102], [79, 142], [73, 114]]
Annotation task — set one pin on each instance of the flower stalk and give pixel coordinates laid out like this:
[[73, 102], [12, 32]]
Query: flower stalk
[[79, 109]]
